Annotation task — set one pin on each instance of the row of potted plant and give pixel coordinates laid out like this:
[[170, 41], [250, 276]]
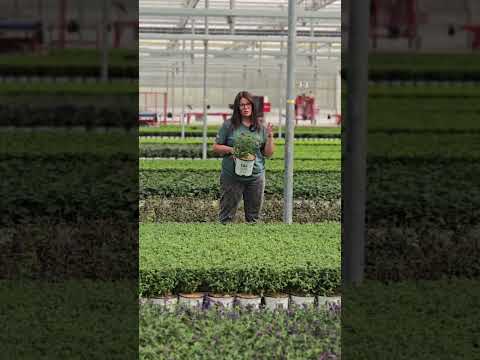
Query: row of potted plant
[[267, 301]]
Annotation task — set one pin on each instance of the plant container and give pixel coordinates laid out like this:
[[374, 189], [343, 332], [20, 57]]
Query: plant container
[[191, 299], [223, 300], [301, 300], [168, 301], [244, 167], [244, 300], [277, 301]]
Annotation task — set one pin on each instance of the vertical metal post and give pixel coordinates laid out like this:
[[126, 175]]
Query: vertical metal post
[[167, 92], [244, 74], [354, 189], [105, 24], [174, 70], [289, 136], [280, 100], [315, 82], [182, 119], [232, 18], [338, 90], [205, 100], [282, 92], [192, 43]]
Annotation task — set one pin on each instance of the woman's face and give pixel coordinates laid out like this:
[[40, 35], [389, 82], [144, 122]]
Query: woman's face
[[245, 107]]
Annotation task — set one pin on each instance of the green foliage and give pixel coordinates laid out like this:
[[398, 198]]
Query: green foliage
[[192, 132], [172, 183], [245, 146], [301, 151], [69, 88], [240, 258], [192, 209], [64, 143], [86, 116], [76, 187], [276, 165], [98, 249], [74, 319], [432, 320], [424, 67], [238, 334], [210, 141], [446, 187]]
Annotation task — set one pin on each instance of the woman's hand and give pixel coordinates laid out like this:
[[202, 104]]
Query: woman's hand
[[269, 130], [269, 145]]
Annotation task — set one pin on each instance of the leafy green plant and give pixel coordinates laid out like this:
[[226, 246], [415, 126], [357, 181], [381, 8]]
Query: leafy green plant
[[239, 258], [318, 185], [238, 334], [221, 281], [192, 209], [245, 146]]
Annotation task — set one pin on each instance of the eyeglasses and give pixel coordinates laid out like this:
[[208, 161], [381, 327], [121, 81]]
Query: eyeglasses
[[245, 105]]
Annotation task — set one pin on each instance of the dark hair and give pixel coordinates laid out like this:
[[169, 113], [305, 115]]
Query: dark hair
[[236, 119]]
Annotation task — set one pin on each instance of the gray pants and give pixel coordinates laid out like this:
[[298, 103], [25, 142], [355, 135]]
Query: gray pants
[[231, 193]]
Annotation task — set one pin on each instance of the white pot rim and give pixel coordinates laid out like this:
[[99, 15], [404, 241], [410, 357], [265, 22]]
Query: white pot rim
[[191, 295], [220, 296], [248, 296]]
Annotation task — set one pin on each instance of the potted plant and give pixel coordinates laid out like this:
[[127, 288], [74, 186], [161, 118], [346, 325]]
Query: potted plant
[[301, 288], [221, 289], [188, 287], [273, 294], [244, 154], [250, 286], [160, 286]]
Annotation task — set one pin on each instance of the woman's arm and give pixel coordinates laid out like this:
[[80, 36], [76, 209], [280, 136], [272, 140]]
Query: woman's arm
[[222, 149], [270, 143]]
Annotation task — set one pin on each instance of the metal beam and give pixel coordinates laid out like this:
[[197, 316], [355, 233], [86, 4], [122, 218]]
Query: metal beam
[[226, 53], [190, 5], [212, 37], [153, 11]]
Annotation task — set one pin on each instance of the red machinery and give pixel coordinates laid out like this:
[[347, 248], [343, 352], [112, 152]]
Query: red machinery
[[305, 108], [20, 35], [475, 30], [394, 19], [150, 106]]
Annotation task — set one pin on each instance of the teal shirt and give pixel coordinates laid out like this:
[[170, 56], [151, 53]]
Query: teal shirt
[[227, 136]]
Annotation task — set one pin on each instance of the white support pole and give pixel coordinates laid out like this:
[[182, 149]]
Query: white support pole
[[182, 119], [289, 138], [167, 89], [174, 85], [205, 99], [192, 43], [244, 77], [282, 92], [231, 19]]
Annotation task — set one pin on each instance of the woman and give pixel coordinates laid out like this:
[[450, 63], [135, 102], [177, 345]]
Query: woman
[[232, 186]]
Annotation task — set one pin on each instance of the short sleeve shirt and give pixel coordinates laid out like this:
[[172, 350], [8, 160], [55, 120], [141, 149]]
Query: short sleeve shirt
[[227, 135]]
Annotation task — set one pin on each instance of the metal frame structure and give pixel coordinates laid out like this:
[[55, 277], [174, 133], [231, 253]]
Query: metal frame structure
[[264, 40], [242, 35]]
